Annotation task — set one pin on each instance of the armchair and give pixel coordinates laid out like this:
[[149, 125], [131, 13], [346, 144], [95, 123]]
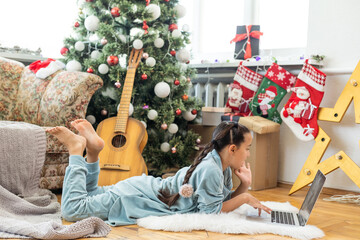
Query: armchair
[[54, 101]]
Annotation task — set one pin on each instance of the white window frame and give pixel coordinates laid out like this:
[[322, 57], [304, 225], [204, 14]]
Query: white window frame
[[251, 17]]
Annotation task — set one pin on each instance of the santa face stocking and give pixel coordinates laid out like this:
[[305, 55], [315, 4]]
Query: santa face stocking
[[272, 90], [246, 83], [300, 112]]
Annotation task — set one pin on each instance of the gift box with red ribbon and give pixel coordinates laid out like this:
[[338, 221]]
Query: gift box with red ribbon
[[247, 41]]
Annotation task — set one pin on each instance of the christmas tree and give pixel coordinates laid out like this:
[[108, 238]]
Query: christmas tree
[[104, 35]]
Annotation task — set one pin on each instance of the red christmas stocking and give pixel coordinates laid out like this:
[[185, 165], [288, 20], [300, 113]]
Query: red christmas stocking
[[300, 112], [246, 82]]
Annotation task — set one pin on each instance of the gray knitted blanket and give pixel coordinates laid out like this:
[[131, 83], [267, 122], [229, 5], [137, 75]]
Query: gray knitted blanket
[[26, 211]]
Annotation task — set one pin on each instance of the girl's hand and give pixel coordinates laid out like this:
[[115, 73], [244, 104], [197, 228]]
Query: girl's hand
[[252, 201], [244, 174]]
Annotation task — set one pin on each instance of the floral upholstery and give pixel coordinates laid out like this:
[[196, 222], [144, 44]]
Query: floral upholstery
[[54, 101]]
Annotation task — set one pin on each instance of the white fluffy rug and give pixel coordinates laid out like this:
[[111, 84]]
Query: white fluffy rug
[[234, 223]]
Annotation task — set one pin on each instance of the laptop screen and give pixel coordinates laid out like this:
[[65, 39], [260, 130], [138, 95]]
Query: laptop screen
[[311, 197]]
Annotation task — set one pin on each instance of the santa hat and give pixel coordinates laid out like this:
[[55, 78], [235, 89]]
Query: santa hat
[[43, 69], [271, 91], [236, 85]]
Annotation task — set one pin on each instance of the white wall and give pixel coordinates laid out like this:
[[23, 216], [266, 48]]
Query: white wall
[[334, 31]]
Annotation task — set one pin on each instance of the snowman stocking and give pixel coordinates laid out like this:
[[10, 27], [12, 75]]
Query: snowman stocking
[[272, 90], [246, 82], [300, 112]]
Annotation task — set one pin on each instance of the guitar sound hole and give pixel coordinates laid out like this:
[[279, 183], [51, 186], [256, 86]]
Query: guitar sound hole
[[118, 141]]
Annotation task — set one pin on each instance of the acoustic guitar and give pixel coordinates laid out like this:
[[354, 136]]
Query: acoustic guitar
[[125, 138]]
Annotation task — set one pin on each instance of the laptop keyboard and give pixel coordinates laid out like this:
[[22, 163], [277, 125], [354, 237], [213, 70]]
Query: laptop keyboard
[[282, 217]]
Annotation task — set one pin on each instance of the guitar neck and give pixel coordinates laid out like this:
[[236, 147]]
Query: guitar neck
[[123, 112]]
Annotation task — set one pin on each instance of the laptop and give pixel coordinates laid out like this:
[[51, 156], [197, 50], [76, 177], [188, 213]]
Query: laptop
[[294, 218]]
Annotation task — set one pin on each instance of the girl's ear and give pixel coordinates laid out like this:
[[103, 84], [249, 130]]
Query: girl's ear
[[232, 148]]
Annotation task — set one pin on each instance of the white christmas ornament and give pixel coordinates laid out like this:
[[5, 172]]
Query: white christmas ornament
[[91, 119], [154, 10], [79, 46], [152, 114], [73, 66], [103, 68], [180, 11], [150, 61], [185, 28], [165, 147], [162, 89], [95, 54], [122, 38], [159, 42], [176, 33], [94, 38], [183, 55], [173, 128], [188, 116], [144, 123], [92, 23], [136, 32], [138, 44], [131, 109]]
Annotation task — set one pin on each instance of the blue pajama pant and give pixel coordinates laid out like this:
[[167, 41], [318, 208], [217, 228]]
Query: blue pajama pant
[[81, 197]]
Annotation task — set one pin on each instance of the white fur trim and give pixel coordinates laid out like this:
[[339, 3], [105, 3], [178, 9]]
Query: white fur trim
[[305, 78], [245, 83], [53, 67], [296, 128]]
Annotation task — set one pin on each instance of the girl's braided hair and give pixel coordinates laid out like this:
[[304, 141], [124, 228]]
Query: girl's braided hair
[[224, 134]]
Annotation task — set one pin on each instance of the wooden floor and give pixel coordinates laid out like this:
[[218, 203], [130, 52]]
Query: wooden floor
[[339, 221]]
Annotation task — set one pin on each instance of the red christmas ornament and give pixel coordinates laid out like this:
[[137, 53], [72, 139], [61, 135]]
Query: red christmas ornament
[[112, 60], [145, 27], [185, 97], [164, 126], [77, 24], [187, 62], [144, 76], [178, 111], [173, 149], [173, 52], [90, 70], [166, 0], [115, 12], [64, 51], [176, 82], [172, 27], [194, 111]]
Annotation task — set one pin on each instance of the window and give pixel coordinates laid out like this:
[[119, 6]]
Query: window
[[213, 24], [37, 24]]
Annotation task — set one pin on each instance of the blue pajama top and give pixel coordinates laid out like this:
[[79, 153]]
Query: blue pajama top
[[136, 197]]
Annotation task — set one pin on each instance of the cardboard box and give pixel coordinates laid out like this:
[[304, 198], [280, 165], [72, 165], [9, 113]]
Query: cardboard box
[[211, 116], [264, 152]]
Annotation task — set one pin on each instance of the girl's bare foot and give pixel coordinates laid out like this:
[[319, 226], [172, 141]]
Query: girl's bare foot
[[94, 144], [74, 143]]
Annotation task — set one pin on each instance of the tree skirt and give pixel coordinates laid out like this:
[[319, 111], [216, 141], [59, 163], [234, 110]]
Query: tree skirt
[[233, 223]]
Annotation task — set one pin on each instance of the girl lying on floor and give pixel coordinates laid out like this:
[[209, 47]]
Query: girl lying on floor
[[204, 187]]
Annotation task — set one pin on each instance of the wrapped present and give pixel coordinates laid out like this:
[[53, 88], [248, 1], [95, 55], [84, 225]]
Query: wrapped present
[[230, 117], [247, 41]]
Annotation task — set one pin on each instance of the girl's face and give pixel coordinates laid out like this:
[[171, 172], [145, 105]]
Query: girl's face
[[241, 153]]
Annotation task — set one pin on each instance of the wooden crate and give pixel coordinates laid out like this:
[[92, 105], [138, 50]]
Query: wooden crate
[[211, 116], [264, 152]]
